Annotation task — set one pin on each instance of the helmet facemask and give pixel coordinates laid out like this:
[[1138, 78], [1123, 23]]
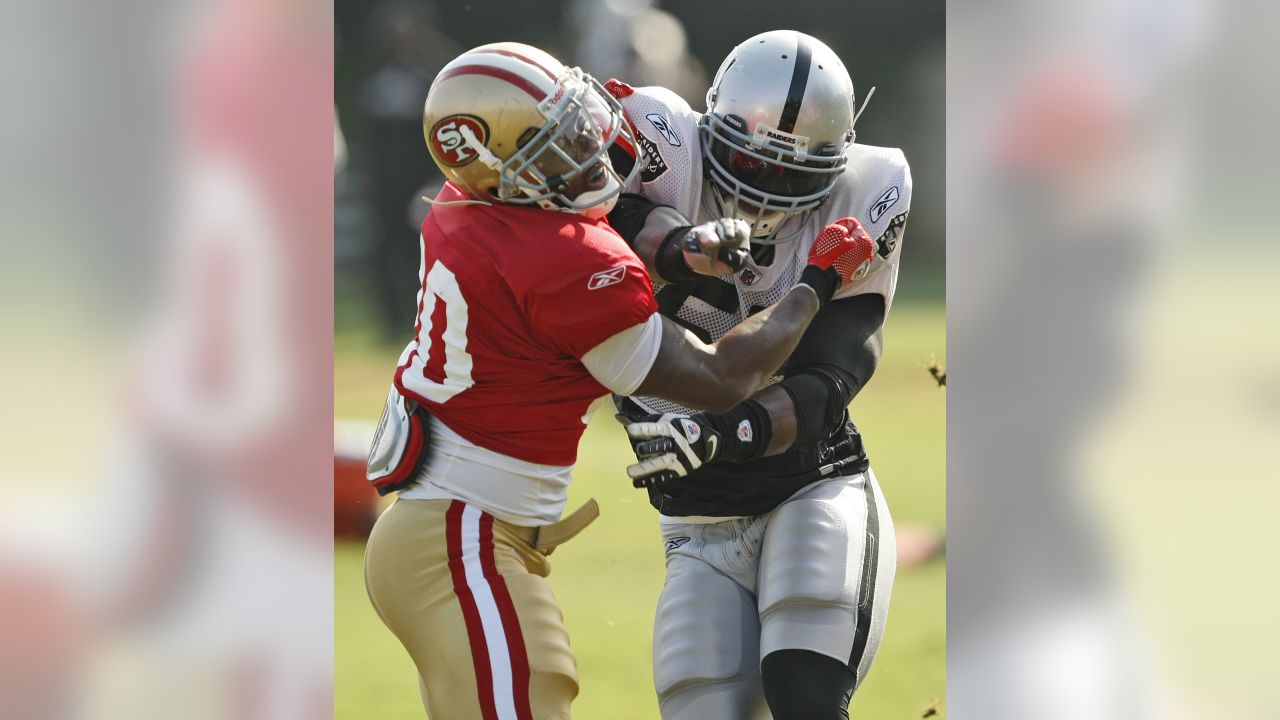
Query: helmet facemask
[[583, 122], [769, 178]]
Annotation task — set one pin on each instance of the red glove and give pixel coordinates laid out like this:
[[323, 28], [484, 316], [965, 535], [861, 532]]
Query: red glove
[[842, 252]]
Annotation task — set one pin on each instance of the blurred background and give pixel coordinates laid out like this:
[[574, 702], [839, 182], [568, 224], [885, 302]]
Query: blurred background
[[166, 301], [387, 53], [1114, 357], [166, 517]]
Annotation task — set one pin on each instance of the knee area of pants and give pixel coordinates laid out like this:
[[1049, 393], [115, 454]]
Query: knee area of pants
[[692, 661], [675, 672], [704, 632], [808, 607], [739, 698]]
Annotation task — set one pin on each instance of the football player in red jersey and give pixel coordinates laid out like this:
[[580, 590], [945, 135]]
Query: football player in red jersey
[[532, 309]]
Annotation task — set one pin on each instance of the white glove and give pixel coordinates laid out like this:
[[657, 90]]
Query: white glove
[[669, 446]]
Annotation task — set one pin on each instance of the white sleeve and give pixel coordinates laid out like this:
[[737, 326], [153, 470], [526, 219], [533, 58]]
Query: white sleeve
[[623, 361], [667, 131], [880, 198]]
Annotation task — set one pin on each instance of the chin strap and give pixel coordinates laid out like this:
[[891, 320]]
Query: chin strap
[[715, 207], [490, 160], [452, 203], [485, 156]]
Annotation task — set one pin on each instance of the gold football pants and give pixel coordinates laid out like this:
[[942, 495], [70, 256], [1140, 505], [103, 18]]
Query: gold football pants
[[467, 596]]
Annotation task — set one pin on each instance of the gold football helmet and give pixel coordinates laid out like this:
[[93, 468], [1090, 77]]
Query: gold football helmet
[[510, 123]]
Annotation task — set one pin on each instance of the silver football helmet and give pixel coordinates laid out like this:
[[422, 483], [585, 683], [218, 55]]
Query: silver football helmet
[[780, 115]]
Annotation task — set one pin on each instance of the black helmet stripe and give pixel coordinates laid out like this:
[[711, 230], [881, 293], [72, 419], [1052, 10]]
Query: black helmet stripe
[[799, 80]]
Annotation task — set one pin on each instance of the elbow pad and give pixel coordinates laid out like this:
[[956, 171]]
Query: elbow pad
[[670, 262], [820, 396]]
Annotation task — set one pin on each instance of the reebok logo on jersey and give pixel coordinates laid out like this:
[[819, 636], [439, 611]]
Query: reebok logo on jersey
[[605, 278], [744, 431], [676, 542], [664, 129], [883, 203]]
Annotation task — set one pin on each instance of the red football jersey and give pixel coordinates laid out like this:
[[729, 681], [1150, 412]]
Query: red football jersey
[[512, 298]]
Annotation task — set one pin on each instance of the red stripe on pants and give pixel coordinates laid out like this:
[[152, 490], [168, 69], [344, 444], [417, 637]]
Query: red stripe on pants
[[470, 613], [510, 621]]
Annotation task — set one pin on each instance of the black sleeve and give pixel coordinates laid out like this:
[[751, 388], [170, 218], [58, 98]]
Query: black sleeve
[[628, 215], [836, 357]]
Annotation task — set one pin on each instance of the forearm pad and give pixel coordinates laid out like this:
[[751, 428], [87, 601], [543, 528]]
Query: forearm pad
[[745, 432], [670, 261], [820, 396]]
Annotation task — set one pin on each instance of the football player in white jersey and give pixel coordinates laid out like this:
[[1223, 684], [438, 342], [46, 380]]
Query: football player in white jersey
[[780, 548]]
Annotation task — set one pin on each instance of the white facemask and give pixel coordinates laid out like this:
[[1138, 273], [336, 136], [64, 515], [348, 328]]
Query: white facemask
[[766, 223]]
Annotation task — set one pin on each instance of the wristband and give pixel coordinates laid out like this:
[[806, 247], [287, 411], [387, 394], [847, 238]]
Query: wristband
[[745, 432], [669, 260], [824, 282]]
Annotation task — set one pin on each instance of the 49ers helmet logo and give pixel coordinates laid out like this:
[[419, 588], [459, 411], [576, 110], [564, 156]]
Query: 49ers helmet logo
[[448, 144]]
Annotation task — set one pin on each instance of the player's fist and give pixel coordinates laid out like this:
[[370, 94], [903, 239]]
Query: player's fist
[[718, 247], [842, 252], [845, 247], [669, 446]]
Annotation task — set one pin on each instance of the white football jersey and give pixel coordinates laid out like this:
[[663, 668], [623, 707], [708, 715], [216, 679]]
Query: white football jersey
[[875, 188]]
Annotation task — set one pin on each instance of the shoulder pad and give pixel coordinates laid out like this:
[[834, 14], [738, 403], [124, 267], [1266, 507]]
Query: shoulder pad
[[876, 182], [877, 161], [676, 105], [666, 129]]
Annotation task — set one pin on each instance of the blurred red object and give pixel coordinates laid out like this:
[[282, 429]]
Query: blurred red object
[[355, 502], [1065, 118], [44, 635]]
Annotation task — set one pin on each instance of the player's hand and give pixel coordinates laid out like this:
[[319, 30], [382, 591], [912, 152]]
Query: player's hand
[[669, 446], [842, 252], [718, 247], [843, 246]]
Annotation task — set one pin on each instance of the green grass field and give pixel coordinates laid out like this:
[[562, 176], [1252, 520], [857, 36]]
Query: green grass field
[[608, 579]]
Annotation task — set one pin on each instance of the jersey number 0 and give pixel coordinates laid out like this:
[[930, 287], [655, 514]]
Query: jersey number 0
[[441, 286]]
